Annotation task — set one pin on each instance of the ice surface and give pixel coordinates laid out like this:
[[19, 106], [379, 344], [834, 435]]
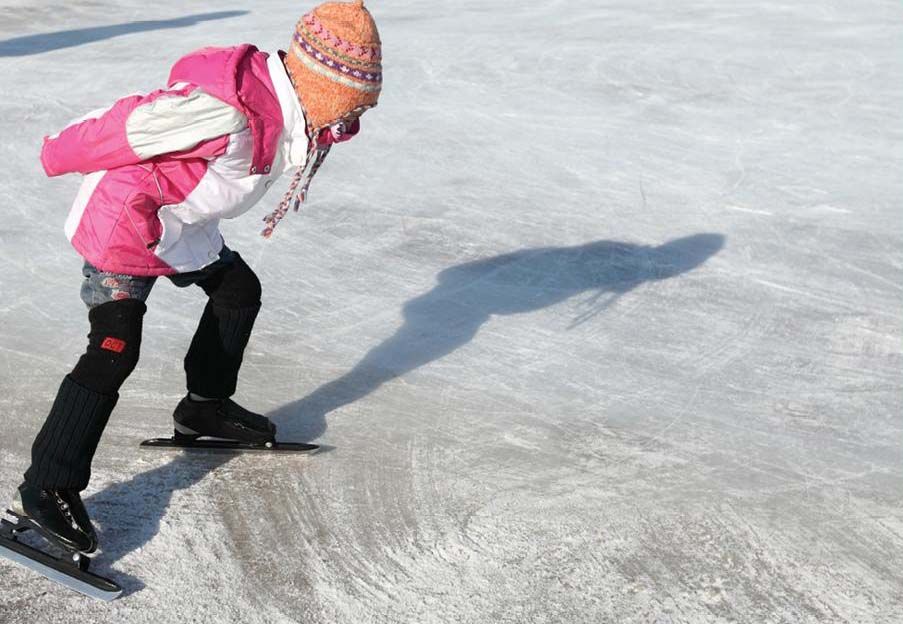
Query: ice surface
[[599, 320]]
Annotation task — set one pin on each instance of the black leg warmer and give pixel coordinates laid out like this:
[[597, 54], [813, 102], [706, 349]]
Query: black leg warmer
[[62, 452], [216, 351]]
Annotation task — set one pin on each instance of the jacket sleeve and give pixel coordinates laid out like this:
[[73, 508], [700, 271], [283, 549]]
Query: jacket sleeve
[[182, 119]]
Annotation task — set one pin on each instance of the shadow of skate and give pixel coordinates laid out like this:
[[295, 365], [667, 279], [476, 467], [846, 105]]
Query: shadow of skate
[[466, 296], [46, 42], [128, 514]]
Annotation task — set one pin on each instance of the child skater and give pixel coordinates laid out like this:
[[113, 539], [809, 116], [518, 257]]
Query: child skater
[[160, 171]]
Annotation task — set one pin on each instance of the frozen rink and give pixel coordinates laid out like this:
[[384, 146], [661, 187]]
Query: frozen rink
[[599, 320]]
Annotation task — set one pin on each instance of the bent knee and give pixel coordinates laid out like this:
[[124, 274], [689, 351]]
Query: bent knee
[[236, 286]]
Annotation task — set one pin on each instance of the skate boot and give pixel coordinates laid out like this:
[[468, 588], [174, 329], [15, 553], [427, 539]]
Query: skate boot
[[223, 419], [58, 515]]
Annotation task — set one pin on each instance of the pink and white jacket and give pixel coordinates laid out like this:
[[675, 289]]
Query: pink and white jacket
[[162, 169]]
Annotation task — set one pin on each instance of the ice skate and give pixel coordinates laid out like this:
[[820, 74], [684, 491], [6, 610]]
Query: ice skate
[[60, 518], [222, 424]]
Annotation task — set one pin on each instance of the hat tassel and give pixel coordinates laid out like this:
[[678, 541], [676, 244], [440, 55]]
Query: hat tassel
[[303, 177]]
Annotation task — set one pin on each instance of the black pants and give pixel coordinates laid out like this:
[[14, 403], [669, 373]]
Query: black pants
[[65, 446]]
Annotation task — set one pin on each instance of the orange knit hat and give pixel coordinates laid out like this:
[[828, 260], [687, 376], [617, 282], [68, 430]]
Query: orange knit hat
[[335, 63]]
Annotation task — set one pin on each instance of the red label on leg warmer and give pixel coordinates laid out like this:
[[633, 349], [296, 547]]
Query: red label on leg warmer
[[113, 344]]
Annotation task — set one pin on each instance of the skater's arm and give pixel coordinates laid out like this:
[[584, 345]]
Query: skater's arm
[[184, 120]]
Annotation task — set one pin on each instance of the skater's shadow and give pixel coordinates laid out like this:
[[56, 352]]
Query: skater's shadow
[[128, 514], [466, 296], [45, 42]]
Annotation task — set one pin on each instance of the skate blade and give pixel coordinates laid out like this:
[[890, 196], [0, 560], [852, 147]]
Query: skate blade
[[214, 444], [58, 571]]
